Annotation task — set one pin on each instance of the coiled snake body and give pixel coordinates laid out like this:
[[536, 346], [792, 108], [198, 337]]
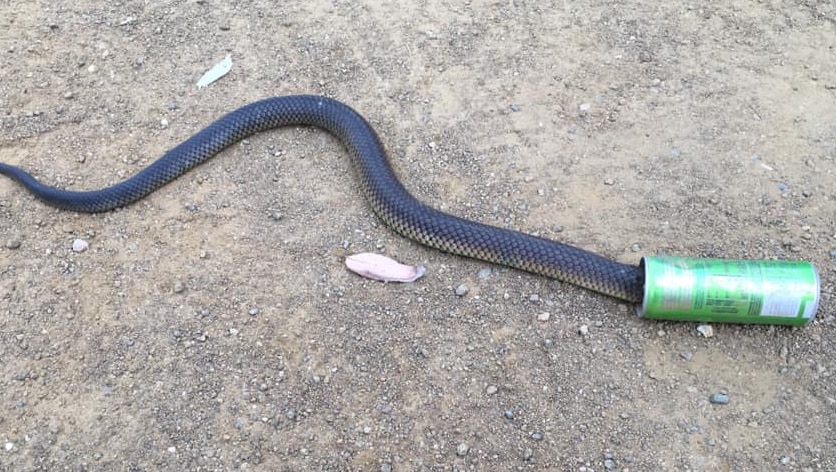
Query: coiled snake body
[[387, 196]]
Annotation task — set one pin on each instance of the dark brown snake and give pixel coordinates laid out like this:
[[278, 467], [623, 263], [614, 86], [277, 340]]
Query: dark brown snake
[[390, 200]]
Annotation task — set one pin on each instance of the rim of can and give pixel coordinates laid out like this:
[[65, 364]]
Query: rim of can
[[642, 309], [818, 292]]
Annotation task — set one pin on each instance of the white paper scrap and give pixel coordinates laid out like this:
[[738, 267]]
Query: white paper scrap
[[216, 72]]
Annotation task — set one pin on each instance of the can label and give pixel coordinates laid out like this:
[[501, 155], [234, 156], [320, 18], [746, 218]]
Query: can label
[[729, 291]]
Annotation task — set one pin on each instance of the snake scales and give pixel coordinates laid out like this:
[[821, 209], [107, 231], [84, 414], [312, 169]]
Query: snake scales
[[387, 196]]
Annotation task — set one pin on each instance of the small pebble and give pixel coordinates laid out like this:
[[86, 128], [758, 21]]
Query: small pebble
[[583, 330], [584, 107], [687, 355], [80, 245], [9, 446], [515, 107], [491, 389], [719, 399], [253, 311], [164, 123], [635, 247], [783, 187], [832, 253], [484, 273], [461, 449], [706, 330], [386, 467], [178, 286], [14, 244], [462, 290], [543, 316], [509, 414], [537, 436], [609, 181], [528, 454], [609, 464]]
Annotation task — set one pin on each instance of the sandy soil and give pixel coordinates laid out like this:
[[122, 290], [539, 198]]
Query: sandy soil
[[213, 326]]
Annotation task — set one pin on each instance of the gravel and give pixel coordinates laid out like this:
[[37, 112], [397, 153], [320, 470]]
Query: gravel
[[719, 399], [80, 245], [264, 225], [707, 331]]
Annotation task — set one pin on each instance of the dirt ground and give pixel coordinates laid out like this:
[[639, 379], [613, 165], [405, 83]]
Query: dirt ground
[[213, 326]]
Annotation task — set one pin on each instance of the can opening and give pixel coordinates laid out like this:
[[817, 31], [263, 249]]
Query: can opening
[[641, 309]]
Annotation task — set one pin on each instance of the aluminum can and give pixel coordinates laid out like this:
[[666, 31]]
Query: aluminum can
[[730, 291]]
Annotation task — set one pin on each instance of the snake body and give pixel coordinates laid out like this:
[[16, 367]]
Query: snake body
[[387, 196]]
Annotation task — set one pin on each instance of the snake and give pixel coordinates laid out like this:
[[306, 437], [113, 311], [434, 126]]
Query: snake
[[387, 196]]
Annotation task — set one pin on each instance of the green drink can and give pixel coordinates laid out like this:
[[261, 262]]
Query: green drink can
[[729, 291]]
